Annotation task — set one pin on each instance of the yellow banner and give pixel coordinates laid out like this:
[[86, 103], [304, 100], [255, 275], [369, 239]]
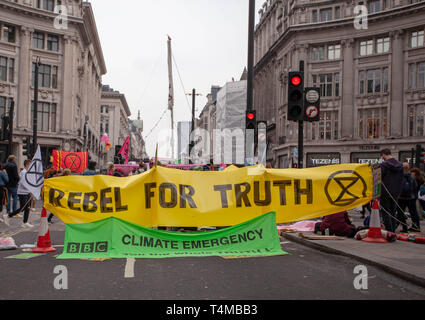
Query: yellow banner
[[171, 197]]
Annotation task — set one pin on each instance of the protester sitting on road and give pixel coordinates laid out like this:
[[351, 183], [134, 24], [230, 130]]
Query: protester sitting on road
[[110, 169], [4, 179], [24, 199], [91, 169], [141, 169], [407, 199], [338, 224]]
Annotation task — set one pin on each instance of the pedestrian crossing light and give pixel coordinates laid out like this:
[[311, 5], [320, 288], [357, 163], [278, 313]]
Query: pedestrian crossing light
[[296, 96]]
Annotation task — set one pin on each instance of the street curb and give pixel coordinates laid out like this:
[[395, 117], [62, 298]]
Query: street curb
[[396, 272]]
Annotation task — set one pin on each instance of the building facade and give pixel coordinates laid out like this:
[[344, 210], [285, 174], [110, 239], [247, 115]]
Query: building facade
[[371, 78], [70, 75], [114, 113]]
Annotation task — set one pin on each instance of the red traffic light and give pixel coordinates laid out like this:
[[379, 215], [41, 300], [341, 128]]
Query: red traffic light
[[295, 166], [251, 116], [296, 80]]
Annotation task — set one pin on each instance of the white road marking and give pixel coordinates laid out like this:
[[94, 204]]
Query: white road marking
[[129, 268]]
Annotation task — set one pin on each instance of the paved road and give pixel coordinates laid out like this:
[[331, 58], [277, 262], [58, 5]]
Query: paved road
[[304, 274]]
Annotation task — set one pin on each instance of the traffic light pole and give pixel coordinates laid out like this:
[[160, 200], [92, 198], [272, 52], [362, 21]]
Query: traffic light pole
[[250, 80], [301, 131], [35, 120], [11, 112]]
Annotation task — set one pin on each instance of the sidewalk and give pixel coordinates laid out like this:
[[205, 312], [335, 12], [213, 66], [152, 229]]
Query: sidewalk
[[403, 259]]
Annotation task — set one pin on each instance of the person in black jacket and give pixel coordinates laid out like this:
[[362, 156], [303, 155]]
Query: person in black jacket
[[12, 186], [392, 178], [407, 199]]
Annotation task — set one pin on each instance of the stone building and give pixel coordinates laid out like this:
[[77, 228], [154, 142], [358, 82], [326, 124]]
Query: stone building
[[114, 113], [70, 74], [372, 80]]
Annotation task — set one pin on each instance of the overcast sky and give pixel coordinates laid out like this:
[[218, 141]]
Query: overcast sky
[[209, 41]]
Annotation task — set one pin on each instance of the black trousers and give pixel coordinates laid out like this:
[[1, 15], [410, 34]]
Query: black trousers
[[389, 205], [24, 203]]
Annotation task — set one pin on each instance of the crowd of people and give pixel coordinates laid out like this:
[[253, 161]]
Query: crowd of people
[[403, 188]]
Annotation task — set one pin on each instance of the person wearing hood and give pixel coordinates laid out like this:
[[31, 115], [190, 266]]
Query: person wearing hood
[[392, 180], [407, 199]]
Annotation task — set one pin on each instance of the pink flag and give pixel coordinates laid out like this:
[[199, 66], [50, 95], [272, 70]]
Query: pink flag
[[125, 149], [105, 138]]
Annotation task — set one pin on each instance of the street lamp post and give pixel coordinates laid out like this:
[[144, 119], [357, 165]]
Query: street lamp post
[[193, 94]]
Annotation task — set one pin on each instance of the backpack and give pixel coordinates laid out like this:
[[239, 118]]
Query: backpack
[[407, 188]]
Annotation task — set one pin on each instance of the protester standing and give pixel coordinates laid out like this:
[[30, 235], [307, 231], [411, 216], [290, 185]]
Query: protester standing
[[392, 178], [91, 169], [407, 199], [4, 179], [420, 180], [12, 185], [24, 199]]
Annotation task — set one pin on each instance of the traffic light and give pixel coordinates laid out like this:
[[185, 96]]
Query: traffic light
[[27, 148], [296, 96], [295, 166], [5, 129], [251, 120], [420, 155], [312, 104]]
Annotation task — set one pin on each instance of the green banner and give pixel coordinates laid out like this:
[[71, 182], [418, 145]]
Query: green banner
[[115, 238]]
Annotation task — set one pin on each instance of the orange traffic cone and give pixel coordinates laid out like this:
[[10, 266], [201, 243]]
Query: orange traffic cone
[[375, 233], [44, 245]]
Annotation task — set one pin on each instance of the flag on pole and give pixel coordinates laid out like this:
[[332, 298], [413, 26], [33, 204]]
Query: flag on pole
[[125, 149], [105, 139], [33, 179], [170, 77]]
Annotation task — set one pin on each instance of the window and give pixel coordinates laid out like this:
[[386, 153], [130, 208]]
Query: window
[[385, 80], [362, 82], [327, 126], [8, 33], [337, 12], [366, 47], [421, 75], [47, 76], [326, 14], [327, 83], [314, 16], [373, 123], [7, 69], [374, 6], [46, 116], [412, 76], [52, 43], [416, 120], [45, 41], [416, 39], [48, 5], [318, 53], [416, 75], [3, 106], [382, 45], [334, 52], [374, 81], [38, 40]]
